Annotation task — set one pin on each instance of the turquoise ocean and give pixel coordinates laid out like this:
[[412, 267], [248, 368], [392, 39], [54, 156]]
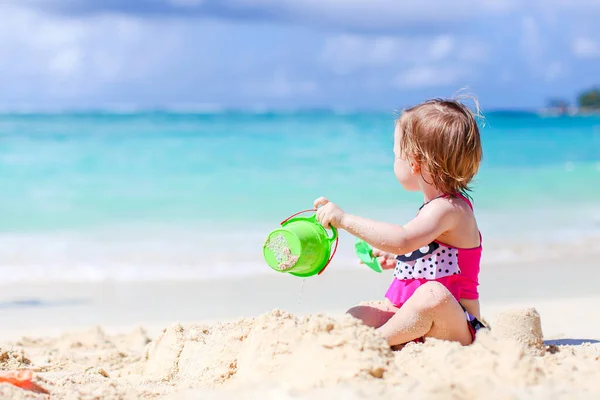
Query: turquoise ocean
[[175, 195]]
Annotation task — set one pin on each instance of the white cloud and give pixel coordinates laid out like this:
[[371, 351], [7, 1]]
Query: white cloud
[[430, 76], [473, 50], [585, 47], [63, 57], [441, 47], [384, 50], [425, 62], [533, 48], [353, 15], [107, 46], [555, 70], [345, 54], [56, 59], [357, 16], [66, 63], [530, 37], [280, 85], [186, 3]]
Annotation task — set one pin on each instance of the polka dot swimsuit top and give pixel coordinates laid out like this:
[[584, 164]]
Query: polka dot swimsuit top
[[456, 268], [429, 262]]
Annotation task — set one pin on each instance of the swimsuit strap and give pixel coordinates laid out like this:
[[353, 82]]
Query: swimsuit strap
[[466, 200], [460, 195], [427, 202]]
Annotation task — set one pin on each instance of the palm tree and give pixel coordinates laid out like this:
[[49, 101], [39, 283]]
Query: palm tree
[[590, 99]]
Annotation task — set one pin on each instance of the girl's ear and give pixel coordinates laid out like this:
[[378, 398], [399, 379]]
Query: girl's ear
[[415, 166]]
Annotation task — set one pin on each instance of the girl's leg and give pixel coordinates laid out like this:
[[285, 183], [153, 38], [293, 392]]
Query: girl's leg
[[430, 312], [375, 313]]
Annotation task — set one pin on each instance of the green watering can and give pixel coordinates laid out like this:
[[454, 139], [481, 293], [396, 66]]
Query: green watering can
[[301, 247]]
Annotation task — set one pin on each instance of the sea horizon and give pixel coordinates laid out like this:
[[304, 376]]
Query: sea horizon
[[209, 108]]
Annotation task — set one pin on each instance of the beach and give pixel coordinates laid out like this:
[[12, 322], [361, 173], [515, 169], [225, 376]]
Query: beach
[[149, 149], [130, 249], [276, 336]]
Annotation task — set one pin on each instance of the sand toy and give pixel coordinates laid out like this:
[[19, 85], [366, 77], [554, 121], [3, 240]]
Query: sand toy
[[301, 246]]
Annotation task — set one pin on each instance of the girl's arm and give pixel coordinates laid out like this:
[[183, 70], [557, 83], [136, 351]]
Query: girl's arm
[[433, 220]]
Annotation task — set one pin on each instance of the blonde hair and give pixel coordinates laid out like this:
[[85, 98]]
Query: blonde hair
[[442, 136]]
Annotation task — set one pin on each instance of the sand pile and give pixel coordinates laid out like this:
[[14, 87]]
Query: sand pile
[[282, 356], [76, 365], [312, 351], [523, 326], [278, 245]]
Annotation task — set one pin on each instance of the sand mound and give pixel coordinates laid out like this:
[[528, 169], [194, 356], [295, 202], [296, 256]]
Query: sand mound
[[312, 351], [492, 368], [523, 326], [282, 356]]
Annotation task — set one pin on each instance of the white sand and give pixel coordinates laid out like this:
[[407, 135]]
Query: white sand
[[279, 355], [297, 357]]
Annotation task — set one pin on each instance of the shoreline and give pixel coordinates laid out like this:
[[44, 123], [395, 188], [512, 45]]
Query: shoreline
[[56, 305], [565, 321], [65, 261]]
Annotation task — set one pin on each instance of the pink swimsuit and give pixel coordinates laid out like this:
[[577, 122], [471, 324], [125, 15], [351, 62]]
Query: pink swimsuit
[[455, 268]]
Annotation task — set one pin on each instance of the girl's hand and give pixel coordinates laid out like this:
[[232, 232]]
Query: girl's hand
[[386, 260], [328, 214]]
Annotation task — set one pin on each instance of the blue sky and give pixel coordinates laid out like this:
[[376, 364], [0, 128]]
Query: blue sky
[[379, 54]]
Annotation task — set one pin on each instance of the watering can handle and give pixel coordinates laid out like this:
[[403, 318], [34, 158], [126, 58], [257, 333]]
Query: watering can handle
[[333, 230], [332, 254], [298, 213]]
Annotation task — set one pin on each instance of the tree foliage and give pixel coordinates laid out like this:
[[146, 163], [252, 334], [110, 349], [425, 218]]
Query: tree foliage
[[590, 99]]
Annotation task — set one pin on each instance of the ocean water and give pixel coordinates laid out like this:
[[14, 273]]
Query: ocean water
[[167, 195]]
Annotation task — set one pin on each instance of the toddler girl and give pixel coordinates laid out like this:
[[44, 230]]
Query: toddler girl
[[436, 255]]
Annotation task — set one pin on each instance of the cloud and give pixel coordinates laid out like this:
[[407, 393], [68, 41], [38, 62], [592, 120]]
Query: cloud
[[375, 16], [112, 59], [346, 15], [585, 47], [545, 45], [430, 76], [441, 47], [67, 58], [531, 40], [534, 52], [346, 54], [439, 61], [235, 52], [554, 70], [279, 85], [473, 50]]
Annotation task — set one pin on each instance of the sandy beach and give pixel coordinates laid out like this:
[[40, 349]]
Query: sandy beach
[[275, 336], [148, 148]]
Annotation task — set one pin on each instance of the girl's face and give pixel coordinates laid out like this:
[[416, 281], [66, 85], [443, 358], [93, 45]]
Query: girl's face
[[407, 172]]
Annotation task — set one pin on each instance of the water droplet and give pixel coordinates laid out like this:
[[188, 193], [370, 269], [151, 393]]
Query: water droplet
[[301, 291]]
